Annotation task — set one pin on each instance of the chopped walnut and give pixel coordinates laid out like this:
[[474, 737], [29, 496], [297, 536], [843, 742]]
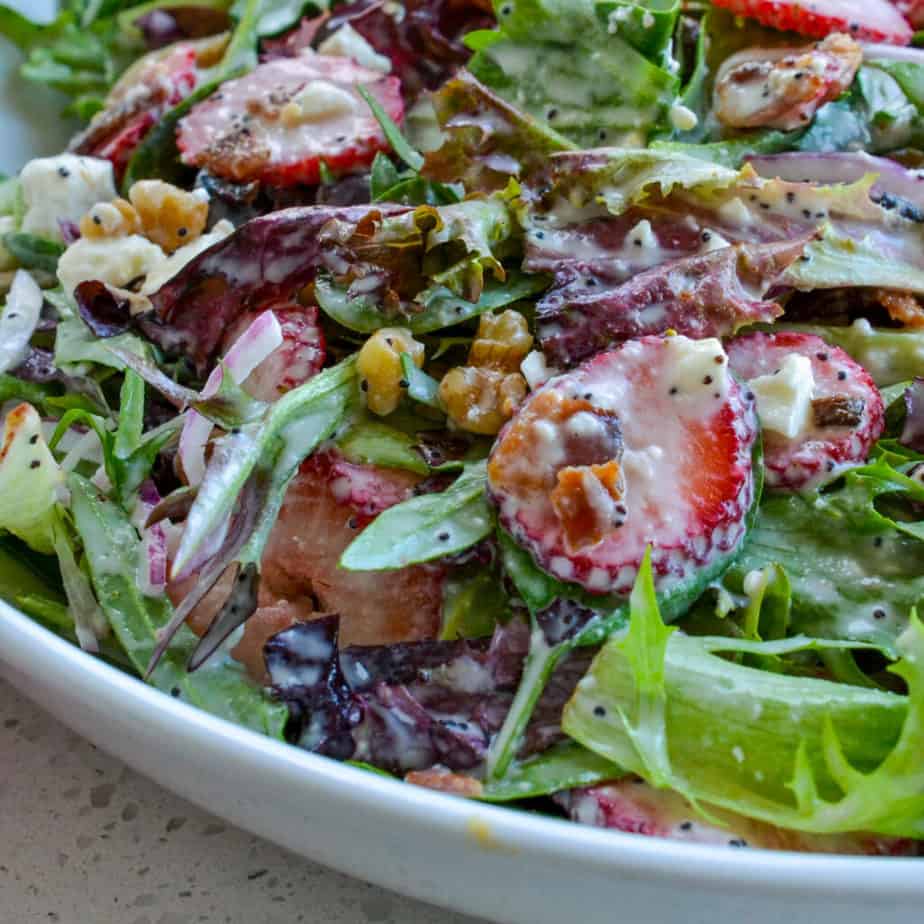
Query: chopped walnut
[[110, 219], [170, 216], [588, 501], [481, 400], [502, 341], [379, 367], [570, 450], [784, 87], [838, 411]]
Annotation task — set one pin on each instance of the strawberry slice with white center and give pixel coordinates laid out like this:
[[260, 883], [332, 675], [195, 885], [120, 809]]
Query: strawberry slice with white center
[[154, 84], [872, 20], [650, 444], [285, 118], [819, 408]]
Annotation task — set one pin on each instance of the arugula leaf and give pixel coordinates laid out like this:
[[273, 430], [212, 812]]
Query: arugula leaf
[[81, 53], [420, 386], [426, 527], [272, 447], [474, 602], [112, 548], [399, 144], [387, 184], [156, 156], [128, 454]]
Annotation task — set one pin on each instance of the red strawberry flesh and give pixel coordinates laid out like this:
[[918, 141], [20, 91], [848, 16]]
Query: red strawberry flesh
[[686, 436], [635, 807], [848, 411], [872, 20], [249, 129]]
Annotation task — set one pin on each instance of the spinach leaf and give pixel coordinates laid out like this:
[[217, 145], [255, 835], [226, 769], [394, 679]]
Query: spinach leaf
[[425, 527]]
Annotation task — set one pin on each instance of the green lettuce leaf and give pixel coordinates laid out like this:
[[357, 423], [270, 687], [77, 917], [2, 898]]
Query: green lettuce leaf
[[797, 752], [559, 61], [854, 570]]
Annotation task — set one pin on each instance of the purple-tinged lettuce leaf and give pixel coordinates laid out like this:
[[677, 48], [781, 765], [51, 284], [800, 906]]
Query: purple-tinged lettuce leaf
[[703, 296], [382, 256], [913, 433], [599, 219], [409, 706], [423, 41]]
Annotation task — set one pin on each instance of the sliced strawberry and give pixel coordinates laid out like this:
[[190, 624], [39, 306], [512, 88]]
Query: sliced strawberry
[[873, 20], [637, 808], [834, 414], [278, 123], [154, 84], [680, 429], [329, 501], [300, 356], [327, 504]]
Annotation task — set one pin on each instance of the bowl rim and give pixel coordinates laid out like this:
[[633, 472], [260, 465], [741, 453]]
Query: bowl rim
[[31, 649]]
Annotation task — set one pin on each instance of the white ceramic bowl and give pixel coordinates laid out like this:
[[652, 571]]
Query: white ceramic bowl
[[503, 864]]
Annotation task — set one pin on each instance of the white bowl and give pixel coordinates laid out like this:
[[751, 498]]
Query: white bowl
[[503, 864]]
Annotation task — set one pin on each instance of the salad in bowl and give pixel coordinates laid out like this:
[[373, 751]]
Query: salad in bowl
[[523, 401]]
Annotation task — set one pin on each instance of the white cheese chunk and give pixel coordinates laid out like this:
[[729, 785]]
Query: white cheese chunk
[[784, 398], [63, 188], [346, 42], [697, 373], [168, 268], [115, 261], [319, 100]]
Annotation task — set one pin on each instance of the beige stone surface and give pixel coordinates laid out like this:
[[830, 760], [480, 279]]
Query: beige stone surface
[[85, 840]]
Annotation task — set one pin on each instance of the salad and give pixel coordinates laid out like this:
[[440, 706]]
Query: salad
[[523, 401]]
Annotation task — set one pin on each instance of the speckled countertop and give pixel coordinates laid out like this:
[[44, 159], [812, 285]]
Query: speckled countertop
[[85, 840]]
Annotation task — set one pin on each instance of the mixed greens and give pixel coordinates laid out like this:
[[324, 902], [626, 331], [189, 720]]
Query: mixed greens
[[527, 401]]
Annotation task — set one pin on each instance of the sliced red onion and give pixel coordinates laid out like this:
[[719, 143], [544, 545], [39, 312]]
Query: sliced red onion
[[827, 169], [262, 337], [152, 564], [18, 320]]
